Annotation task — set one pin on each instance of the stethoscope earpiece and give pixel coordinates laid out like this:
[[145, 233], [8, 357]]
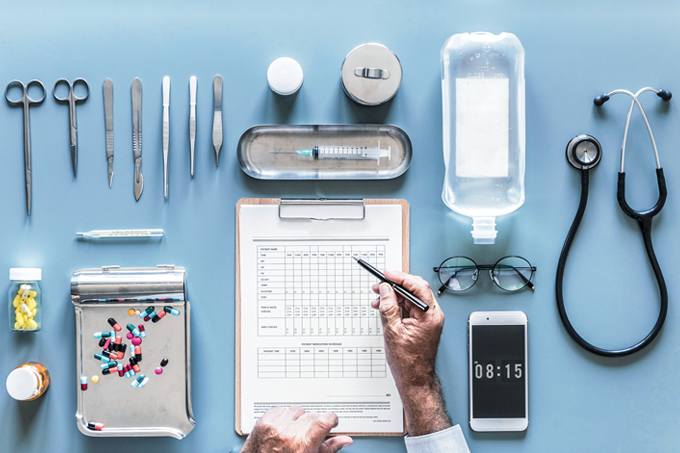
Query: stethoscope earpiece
[[584, 152]]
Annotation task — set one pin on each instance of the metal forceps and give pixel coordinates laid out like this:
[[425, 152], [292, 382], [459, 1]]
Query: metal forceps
[[25, 101], [72, 100]]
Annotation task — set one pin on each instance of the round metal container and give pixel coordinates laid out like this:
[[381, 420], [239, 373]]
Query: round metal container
[[371, 74]]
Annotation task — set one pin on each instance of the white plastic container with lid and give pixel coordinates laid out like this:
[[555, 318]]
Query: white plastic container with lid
[[484, 138], [28, 382]]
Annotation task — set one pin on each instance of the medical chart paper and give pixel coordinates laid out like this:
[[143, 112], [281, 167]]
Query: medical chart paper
[[308, 335]]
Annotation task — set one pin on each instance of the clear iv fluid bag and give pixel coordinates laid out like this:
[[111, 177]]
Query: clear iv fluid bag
[[483, 101]]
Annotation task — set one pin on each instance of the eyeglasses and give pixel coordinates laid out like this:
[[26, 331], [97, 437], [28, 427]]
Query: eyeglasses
[[460, 273]]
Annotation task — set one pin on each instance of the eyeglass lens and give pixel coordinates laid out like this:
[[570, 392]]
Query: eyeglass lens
[[511, 273], [458, 273]]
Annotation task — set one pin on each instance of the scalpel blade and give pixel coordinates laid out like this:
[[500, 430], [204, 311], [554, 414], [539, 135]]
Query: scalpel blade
[[218, 136], [136, 91], [107, 88]]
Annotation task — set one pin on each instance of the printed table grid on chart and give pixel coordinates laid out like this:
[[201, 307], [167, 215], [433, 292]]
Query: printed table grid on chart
[[333, 362], [317, 290]]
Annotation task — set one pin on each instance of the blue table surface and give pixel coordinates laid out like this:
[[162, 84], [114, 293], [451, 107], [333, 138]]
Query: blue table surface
[[574, 51]]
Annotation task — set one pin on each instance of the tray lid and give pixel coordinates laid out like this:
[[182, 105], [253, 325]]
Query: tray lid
[[163, 282]]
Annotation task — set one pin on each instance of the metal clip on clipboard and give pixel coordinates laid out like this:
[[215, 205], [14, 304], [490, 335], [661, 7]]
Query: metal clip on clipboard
[[322, 209]]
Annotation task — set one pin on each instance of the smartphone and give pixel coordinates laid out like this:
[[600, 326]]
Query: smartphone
[[499, 382]]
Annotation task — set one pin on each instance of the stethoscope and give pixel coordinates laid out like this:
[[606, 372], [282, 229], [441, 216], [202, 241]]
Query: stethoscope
[[583, 153]]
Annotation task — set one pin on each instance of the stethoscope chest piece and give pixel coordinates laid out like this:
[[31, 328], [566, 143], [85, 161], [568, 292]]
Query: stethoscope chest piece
[[584, 152]]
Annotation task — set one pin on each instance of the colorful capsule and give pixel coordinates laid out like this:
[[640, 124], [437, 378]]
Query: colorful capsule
[[129, 336], [113, 333], [143, 383], [95, 426], [102, 334], [111, 364], [102, 342], [133, 364], [158, 317], [137, 381], [142, 333], [138, 353], [146, 312], [164, 361], [118, 339], [120, 370], [112, 322], [106, 371], [147, 318], [126, 371], [172, 311], [83, 382], [102, 358], [121, 351], [158, 370], [107, 344]]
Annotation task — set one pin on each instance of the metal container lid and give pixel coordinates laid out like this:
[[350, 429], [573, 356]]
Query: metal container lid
[[371, 74]]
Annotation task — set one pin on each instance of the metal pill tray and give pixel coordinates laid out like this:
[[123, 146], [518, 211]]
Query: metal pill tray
[[163, 406]]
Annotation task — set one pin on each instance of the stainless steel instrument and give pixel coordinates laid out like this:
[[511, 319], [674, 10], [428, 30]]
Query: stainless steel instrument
[[137, 136], [192, 120], [166, 132], [26, 102], [72, 100], [107, 88], [218, 135]]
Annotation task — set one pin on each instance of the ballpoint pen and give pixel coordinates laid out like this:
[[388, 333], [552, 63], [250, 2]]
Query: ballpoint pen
[[192, 120], [397, 288], [166, 132]]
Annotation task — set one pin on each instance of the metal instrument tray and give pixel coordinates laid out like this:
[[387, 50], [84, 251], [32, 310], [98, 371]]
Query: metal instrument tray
[[260, 151], [163, 406]]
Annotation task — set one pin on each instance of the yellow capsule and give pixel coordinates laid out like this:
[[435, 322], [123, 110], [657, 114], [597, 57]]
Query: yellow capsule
[[17, 301], [17, 325], [32, 324], [24, 293], [32, 293], [31, 303], [34, 312], [25, 309]]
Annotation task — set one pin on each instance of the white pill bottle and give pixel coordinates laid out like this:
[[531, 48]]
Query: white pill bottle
[[484, 138]]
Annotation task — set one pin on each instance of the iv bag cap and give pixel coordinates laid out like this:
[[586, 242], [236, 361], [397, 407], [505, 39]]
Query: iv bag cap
[[22, 384], [371, 74], [25, 273], [484, 230], [285, 76]]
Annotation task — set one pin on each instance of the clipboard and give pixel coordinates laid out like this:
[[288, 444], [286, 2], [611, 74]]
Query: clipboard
[[320, 209]]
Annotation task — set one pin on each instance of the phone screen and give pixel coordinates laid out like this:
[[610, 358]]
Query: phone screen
[[498, 371]]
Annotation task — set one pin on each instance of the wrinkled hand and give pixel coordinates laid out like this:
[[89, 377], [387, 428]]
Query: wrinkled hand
[[291, 430], [410, 343], [411, 348]]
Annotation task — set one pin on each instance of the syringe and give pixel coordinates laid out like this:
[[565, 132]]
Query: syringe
[[112, 234], [344, 152]]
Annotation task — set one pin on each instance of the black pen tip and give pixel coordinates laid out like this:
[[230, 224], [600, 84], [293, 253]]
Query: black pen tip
[[355, 259]]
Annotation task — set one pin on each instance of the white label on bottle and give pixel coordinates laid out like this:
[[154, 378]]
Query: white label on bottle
[[482, 134]]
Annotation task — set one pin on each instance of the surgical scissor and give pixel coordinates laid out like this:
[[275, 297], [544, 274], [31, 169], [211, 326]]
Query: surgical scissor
[[25, 101], [72, 100]]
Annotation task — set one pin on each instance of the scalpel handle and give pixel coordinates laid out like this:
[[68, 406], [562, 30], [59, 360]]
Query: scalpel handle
[[192, 120], [166, 132]]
